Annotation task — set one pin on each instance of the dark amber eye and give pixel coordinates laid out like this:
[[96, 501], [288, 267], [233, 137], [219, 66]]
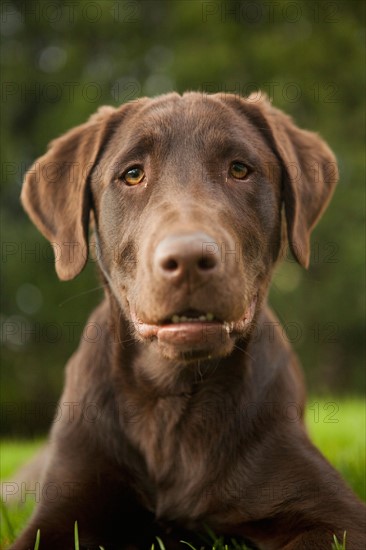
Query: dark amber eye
[[238, 170], [134, 176]]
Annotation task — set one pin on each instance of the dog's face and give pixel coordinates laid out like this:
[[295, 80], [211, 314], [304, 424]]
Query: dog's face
[[188, 222], [187, 194]]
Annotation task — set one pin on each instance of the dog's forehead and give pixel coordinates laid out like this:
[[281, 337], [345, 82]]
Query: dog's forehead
[[192, 111], [173, 122]]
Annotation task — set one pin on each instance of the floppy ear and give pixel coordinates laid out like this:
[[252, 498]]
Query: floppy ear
[[309, 171], [55, 192]]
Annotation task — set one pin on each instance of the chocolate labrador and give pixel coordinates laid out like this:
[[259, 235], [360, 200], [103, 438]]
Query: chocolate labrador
[[187, 412]]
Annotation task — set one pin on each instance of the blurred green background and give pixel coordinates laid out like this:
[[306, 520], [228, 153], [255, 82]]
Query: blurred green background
[[61, 60]]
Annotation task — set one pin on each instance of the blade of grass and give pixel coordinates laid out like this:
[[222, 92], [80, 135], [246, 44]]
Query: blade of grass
[[336, 545], [76, 536], [160, 543], [38, 539]]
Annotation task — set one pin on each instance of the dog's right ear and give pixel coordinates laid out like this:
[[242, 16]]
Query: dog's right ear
[[55, 193]]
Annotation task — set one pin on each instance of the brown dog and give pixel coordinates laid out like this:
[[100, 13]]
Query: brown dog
[[193, 403]]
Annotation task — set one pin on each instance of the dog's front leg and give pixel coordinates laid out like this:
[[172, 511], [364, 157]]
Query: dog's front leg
[[300, 504], [97, 497]]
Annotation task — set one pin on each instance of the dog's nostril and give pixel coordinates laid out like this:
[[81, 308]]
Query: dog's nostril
[[206, 263], [187, 263], [179, 257], [170, 264]]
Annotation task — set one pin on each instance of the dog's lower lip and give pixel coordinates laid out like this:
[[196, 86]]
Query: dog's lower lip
[[189, 333], [193, 331]]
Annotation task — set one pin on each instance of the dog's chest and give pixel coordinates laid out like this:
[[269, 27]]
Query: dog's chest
[[179, 445]]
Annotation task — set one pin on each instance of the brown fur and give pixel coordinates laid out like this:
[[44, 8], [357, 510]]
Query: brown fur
[[185, 435]]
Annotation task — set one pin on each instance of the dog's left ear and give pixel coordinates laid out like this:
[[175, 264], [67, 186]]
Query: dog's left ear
[[55, 192], [309, 171]]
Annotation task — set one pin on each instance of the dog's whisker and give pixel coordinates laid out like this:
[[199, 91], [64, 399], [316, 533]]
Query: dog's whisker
[[244, 351], [75, 296]]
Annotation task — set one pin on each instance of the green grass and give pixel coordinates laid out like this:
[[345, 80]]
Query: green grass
[[337, 427], [14, 454]]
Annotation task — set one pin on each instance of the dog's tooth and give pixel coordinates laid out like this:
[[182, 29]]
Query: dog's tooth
[[228, 326], [184, 319]]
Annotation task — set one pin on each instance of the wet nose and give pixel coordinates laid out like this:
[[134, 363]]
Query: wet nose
[[192, 256]]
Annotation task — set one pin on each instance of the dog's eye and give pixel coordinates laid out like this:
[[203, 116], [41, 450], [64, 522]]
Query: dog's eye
[[134, 176], [238, 170]]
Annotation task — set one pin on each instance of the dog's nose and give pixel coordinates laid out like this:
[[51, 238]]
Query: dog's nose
[[193, 256]]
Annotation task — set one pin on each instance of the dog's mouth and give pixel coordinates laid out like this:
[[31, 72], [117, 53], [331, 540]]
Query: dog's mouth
[[193, 327]]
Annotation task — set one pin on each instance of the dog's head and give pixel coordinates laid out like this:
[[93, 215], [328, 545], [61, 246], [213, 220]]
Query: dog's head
[[187, 194]]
